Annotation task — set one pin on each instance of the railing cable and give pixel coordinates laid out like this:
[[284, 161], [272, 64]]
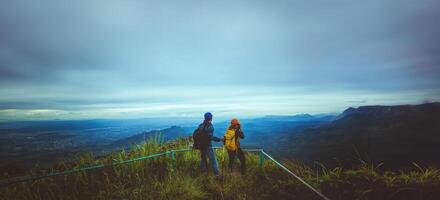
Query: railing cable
[[172, 152]]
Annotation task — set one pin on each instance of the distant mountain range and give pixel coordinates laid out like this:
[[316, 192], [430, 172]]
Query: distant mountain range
[[395, 135], [162, 135], [263, 132], [299, 117]]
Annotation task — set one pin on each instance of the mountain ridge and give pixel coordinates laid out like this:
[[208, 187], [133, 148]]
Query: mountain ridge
[[395, 135]]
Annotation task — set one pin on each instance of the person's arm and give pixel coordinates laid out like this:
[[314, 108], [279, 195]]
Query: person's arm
[[210, 132], [240, 133]]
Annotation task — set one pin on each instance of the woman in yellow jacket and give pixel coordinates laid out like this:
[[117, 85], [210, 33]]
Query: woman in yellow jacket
[[232, 144]]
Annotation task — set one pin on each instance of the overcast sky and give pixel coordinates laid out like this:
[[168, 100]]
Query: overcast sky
[[79, 59]]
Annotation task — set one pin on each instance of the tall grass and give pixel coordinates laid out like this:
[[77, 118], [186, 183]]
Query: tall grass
[[181, 178]]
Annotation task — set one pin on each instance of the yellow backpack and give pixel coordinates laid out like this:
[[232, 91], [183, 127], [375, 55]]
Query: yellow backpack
[[231, 143]]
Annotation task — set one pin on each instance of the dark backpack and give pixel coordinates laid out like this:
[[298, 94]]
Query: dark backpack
[[200, 137]]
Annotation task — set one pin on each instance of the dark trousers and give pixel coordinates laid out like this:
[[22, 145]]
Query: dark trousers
[[208, 152], [240, 155]]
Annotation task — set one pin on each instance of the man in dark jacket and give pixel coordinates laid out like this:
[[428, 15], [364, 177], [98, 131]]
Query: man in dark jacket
[[206, 150]]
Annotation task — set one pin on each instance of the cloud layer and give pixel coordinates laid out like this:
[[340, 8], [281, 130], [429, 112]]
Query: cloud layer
[[92, 59]]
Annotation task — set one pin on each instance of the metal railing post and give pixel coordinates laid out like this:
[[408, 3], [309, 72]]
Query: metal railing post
[[261, 160]]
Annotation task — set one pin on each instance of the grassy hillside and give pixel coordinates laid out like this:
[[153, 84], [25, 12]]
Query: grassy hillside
[[165, 178]]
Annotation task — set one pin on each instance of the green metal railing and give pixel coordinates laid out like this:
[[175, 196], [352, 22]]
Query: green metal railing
[[293, 174], [262, 155]]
